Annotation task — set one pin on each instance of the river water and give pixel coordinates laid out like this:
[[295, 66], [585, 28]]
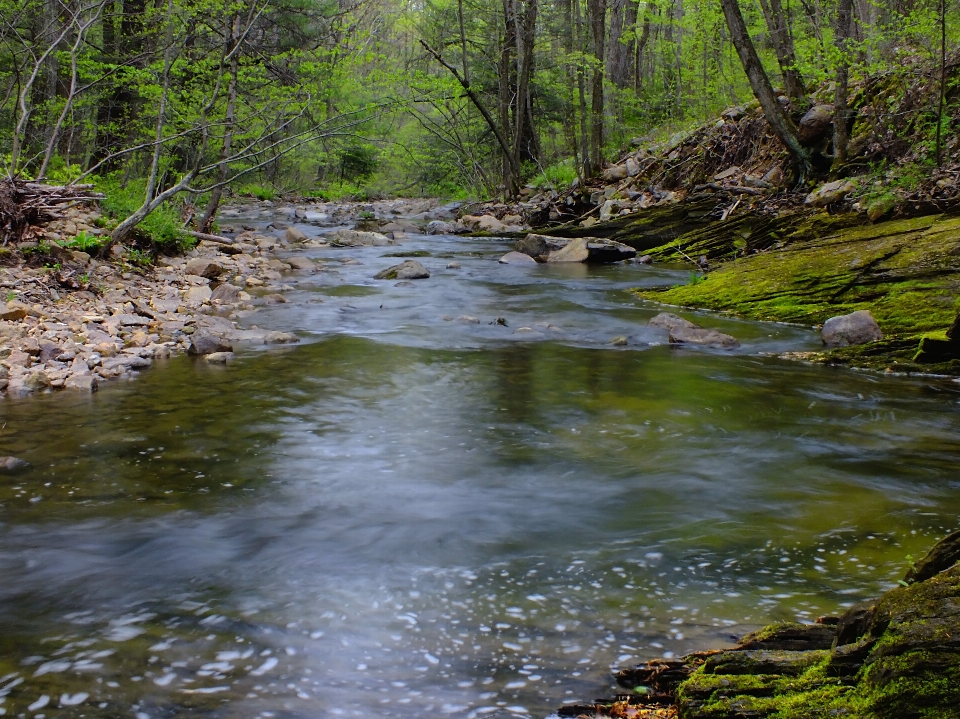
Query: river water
[[414, 515]]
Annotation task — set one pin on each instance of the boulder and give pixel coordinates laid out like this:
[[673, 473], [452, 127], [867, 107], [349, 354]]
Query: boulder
[[12, 315], [280, 338], [517, 258], [197, 295], [880, 207], [489, 223], [82, 382], [204, 342], [700, 336], [829, 193], [633, 169], [815, 124], [359, 238], [856, 328], [203, 267], [774, 176], [294, 235], [615, 173], [533, 245], [667, 321], [301, 263], [226, 293], [593, 250], [409, 270], [440, 227]]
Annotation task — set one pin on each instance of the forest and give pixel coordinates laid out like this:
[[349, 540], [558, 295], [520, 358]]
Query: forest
[[167, 107]]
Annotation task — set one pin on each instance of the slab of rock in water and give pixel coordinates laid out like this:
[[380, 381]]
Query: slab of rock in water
[[668, 321], [517, 258], [204, 342], [700, 336], [409, 270], [359, 238], [593, 250], [856, 328]]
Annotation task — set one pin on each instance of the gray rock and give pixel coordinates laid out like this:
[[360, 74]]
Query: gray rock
[[667, 321], [645, 260], [11, 464], [301, 263], [280, 338], [294, 235], [815, 123], [134, 321], [226, 293], [359, 238], [204, 342], [699, 336], [517, 258], [593, 250], [856, 328], [82, 382], [533, 245], [409, 270], [453, 265], [439, 227], [203, 267], [617, 172], [219, 357]]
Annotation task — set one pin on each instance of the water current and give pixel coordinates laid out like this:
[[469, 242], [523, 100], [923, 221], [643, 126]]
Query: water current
[[415, 514]]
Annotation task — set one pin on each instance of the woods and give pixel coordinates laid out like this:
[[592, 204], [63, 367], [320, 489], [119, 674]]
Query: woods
[[168, 106]]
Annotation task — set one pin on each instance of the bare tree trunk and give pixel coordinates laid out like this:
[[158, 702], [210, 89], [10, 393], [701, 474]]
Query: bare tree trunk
[[781, 124], [778, 24], [582, 97], [641, 49], [841, 134], [525, 142], [620, 54], [943, 78], [596, 11], [506, 69]]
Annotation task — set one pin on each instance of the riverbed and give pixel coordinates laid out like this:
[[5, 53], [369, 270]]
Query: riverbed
[[455, 497]]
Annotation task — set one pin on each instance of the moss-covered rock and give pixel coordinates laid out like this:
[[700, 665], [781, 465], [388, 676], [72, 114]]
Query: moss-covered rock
[[808, 268]]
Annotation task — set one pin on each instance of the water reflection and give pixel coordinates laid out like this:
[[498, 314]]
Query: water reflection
[[413, 516]]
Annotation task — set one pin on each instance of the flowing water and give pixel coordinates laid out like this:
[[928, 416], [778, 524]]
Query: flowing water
[[415, 515]]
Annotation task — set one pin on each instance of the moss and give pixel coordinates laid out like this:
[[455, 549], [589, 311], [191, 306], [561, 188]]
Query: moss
[[906, 272]]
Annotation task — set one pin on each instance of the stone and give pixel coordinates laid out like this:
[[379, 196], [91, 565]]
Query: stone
[[829, 193], [165, 304], [728, 173], [880, 207], [204, 342], [815, 124], [280, 338], [294, 235], [225, 293], [408, 270], [197, 295], [512, 220], [441, 227], [11, 464], [82, 382], [633, 169], [593, 250], [12, 315], [615, 173], [48, 351], [517, 258], [533, 245], [489, 223], [856, 328], [773, 176], [645, 260], [203, 267], [620, 341], [134, 320], [700, 336], [453, 265], [220, 357], [275, 299], [944, 555], [360, 238], [37, 381], [301, 263]]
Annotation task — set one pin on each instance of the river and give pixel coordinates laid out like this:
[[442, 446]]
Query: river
[[415, 515]]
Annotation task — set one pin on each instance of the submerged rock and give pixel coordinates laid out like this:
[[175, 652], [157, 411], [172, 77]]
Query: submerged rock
[[593, 250], [359, 238], [701, 336], [517, 258], [856, 328], [409, 270], [9, 464], [668, 321]]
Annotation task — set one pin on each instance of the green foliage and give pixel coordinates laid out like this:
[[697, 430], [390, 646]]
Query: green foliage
[[84, 242], [558, 176], [162, 228]]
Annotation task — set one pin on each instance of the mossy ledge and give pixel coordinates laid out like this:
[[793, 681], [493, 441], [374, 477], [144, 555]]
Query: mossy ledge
[[896, 658], [806, 267]]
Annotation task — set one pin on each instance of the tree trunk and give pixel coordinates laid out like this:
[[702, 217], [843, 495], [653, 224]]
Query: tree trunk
[[582, 97], [778, 24], [526, 144], [841, 134], [596, 12], [506, 76], [781, 124], [620, 54]]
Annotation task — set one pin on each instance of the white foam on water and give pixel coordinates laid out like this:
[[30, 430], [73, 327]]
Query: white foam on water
[[40, 703], [67, 700], [265, 667]]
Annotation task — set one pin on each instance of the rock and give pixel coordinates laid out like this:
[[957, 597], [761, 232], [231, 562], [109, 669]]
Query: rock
[[440, 227], [12, 315], [944, 555], [301, 263], [608, 209], [533, 245], [197, 295], [615, 173], [219, 357], [856, 328], [275, 299], [512, 220], [165, 305], [774, 177], [204, 342], [593, 250], [880, 207], [453, 265], [82, 382], [409, 270], [134, 320], [489, 223], [225, 293], [517, 258], [37, 381], [645, 260], [791, 636], [633, 169], [48, 351], [829, 193], [728, 173], [700, 336], [468, 320], [280, 338], [203, 267], [359, 238], [11, 464], [815, 124], [620, 341], [294, 235]]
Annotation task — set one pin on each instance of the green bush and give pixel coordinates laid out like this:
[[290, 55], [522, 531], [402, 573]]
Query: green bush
[[161, 230]]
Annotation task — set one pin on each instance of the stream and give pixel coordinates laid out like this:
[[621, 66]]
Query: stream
[[421, 512]]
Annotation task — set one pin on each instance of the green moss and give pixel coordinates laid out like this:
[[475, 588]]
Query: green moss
[[906, 272]]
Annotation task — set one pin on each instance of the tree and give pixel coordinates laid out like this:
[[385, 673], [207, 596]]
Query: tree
[[841, 134], [779, 121], [782, 41]]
